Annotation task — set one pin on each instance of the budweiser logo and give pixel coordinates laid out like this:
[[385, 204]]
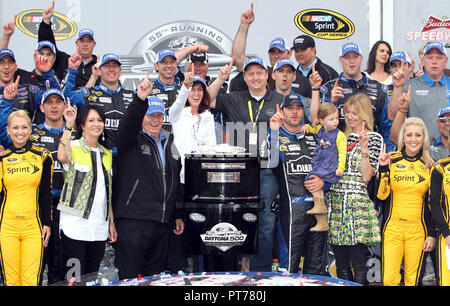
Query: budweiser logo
[[434, 23]]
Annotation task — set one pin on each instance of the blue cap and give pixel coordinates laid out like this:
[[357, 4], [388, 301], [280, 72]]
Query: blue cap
[[48, 44], [400, 56], [444, 110], [200, 80], [435, 45], [110, 57], [254, 60], [349, 47], [85, 32], [291, 99], [280, 63], [279, 43], [165, 52], [52, 91], [155, 105], [7, 52]]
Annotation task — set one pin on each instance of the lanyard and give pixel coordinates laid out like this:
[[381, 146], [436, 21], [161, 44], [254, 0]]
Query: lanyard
[[250, 111]]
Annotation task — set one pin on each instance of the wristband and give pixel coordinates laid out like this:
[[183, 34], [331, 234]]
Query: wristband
[[315, 89], [68, 127], [402, 111]]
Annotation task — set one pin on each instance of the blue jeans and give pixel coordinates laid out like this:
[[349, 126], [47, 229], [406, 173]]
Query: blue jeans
[[262, 261]]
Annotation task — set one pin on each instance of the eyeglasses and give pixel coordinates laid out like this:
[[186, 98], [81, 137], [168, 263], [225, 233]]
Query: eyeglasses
[[444, 119]]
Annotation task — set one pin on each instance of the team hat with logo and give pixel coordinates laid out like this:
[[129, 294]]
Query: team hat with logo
[[7, 52], [280, 63], [46, 43], [435, 45], [444, 110], [198, 57], [350, 47], [155, 105], [165, 52], [199, 80], [279, 43], [85, 32], [303, 42], [254, 60], [52, 91], [110, 57], [291, 99], [400, 56]]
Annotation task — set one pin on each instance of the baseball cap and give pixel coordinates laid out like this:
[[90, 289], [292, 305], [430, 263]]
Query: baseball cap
[[46, 43], [303, 42], [85, 32], [7, 52], [165, 52], [155, 105], [254, 60], [291, 99], [110, 57], [52, 91], [350, 47], [444, 110], [435, 45], [279, 43], [400, 56], [280, 63], [199, 79], [198, 57]]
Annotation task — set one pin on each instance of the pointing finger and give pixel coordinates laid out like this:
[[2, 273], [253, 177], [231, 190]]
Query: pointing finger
[[251, 6], [17, 80], [408, 95]]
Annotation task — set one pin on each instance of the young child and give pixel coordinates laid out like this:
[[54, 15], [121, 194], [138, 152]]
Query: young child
[[328, 161]]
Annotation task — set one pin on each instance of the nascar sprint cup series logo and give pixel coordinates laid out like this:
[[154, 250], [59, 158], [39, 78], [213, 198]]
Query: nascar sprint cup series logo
[[176, 35], [324, 24]]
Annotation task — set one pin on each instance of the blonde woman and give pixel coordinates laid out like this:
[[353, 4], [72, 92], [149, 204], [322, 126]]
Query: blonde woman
[[352, 217], [408, 230], [26, 174]]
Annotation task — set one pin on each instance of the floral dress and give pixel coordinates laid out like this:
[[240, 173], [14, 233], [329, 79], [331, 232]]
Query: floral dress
[[351, 212]]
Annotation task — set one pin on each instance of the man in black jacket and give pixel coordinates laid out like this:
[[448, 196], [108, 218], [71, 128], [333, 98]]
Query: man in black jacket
[[146, 187]]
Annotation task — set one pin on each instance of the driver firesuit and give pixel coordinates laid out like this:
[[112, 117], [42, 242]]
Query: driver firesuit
[[295, 153]]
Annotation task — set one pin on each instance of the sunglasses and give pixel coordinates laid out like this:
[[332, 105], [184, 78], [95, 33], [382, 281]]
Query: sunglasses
[[444, 119]]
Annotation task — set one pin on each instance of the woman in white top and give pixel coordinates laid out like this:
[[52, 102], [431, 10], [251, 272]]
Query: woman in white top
[[192, 122], [86, 217]]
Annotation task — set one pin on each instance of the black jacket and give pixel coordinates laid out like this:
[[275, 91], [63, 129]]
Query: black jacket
[[143, 189], [45, 32]]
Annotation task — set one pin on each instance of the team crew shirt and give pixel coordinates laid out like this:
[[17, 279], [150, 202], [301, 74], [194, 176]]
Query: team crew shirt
[[427, 99]]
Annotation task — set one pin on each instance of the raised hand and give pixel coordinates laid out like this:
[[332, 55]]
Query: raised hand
[[144, 88], [10, 91], [384, 157], [189, 77], [248, 17], [199, 48], [9, 27], [42, 62], [400, 77], [70, 113], [363, 138], [277, 120], [337, 92], [74, 61], [315, 80], [47, 14], [405, 100], [225, 71]]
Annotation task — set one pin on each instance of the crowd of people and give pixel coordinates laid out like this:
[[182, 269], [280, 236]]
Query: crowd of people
[[347, 160]]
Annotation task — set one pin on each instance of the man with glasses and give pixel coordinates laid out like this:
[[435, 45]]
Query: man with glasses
[[428, 93]]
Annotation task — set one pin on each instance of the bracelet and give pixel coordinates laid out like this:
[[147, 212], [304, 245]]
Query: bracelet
[[402, 111], [315, 89], [68, 127], [364, 154]]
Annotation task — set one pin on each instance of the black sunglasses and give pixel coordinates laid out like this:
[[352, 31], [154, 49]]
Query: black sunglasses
[[444, 119]]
